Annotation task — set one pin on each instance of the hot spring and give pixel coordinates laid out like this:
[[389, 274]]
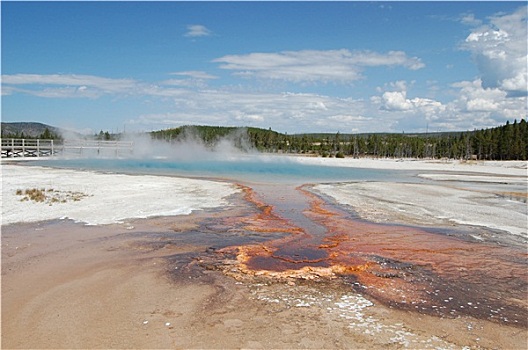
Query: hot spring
[[242, 168], [289, 231]]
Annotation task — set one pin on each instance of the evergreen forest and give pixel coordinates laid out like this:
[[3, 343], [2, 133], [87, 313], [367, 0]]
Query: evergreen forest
[[507, 142]]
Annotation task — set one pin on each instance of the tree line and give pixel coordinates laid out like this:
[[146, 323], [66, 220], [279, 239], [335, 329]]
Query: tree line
[[507, 142], [45, 135]]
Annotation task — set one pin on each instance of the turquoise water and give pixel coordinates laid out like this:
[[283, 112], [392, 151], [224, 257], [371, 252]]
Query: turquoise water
[[249, 168]]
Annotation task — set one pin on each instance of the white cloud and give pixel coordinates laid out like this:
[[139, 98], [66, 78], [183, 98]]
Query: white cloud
[[396, 101], [470, 19], [180, 82], [392, 58], [62, 92], [7, 90], [480, 104], [404, 112], [317, 105], [519, 82], [191, 79], [287, 112], [479, 107], [474, 107], [197, 30], [196, 74], [348, 118], [183, 102], [89, 86], [251, 118], [340, 66], [107, 84], [500, 51], [472, 97], [70, 85]]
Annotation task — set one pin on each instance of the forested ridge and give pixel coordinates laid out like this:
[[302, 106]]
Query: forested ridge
[[29, 130], [507, 142]]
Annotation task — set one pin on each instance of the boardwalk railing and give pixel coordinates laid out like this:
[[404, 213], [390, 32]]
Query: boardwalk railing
[[98, 147], [18, 148], [14, 148]]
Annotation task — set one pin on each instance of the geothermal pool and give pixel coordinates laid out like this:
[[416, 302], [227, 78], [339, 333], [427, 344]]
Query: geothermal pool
[[440, 271], [265, 169]]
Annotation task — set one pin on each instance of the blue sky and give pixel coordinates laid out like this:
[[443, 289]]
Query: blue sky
[[292, 66]]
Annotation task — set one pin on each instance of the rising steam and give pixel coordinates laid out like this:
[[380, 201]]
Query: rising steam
[[187, 146]]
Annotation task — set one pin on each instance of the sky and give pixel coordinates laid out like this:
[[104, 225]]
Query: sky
[[294, 67]]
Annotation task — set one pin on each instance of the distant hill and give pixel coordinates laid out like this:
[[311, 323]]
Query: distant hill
[[27, 129]]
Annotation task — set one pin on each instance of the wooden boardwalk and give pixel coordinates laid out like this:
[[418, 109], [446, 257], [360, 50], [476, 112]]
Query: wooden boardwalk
[[19, 148], [25, 148], [97, 147]]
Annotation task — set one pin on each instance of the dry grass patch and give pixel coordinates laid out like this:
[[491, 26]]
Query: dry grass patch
[[49, 196]]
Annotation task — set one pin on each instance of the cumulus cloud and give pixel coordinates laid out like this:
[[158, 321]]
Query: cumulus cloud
[[197, 30], [479, 107], [404, 111], [396, 101], [314, 65], [473, 97], [474, 106], [500, 51]]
